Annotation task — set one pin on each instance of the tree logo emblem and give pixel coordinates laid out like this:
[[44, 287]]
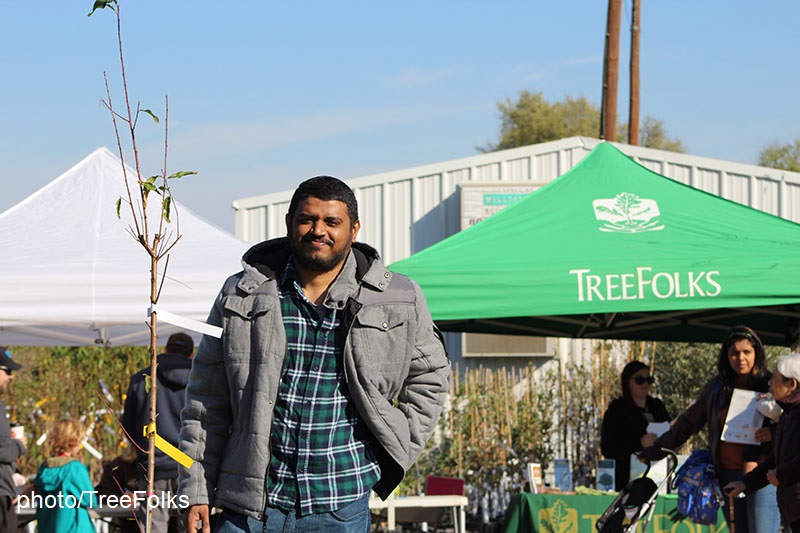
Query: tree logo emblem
[[627, 213], [559, 518]]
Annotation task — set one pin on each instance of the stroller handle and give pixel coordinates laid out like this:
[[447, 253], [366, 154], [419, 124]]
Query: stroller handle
[[672, 461]]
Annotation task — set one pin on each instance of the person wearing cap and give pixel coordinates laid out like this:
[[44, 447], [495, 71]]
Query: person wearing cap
[[172, 377], [11, 449], [782, 467], [326, 384]]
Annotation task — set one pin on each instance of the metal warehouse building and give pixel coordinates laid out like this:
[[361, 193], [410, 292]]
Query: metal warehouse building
[[405, 211]]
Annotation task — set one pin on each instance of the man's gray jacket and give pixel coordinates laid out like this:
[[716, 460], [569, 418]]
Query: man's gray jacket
[[394, 362]]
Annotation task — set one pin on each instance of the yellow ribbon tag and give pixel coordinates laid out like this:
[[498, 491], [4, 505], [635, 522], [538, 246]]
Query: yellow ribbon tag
[[170, 450]]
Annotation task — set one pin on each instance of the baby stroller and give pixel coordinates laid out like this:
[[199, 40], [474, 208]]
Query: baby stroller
[[635, 500]]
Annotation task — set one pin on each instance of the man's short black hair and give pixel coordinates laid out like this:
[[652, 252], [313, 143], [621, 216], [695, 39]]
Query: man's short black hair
[[325, 188]]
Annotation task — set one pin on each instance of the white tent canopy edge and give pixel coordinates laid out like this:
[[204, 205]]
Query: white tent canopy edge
[[72, 274]]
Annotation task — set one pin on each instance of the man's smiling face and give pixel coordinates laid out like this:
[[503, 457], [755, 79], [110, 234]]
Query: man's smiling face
[[321, 234]]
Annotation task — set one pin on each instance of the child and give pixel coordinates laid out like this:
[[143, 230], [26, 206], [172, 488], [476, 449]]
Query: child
[[64, 478], [782, 467]]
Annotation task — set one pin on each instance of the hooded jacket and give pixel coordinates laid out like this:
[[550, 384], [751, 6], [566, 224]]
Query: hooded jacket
[[394, 363], [66, 480], [173, 375]]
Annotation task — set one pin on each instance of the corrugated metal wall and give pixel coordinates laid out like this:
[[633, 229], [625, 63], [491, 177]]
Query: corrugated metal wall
[[404, 211]]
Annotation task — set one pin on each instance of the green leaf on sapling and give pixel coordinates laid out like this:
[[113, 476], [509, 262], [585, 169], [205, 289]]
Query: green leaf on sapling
[[101, 4], [153, 115], [165, 208], [181, 174]]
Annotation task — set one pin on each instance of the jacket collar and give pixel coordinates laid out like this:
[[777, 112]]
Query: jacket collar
[[265, 262], [57, 461]]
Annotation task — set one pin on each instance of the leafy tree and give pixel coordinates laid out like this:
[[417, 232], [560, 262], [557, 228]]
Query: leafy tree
[[782, 156], [653, 134], [531, 119]]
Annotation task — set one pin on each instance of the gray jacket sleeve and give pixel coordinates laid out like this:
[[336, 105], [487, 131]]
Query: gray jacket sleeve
[[424, 391], [11, 450], [206, 417]]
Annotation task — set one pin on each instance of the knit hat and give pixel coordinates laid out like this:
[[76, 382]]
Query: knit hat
[[789, 366]]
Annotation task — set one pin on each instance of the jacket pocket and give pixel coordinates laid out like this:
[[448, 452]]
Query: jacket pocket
[[382, 342], [242, 320]]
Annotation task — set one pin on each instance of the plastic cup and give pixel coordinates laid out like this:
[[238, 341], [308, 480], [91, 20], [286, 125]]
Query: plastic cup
[[17, 431]]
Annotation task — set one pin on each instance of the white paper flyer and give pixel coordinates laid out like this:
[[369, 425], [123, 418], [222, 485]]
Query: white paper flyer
[[743, 418]]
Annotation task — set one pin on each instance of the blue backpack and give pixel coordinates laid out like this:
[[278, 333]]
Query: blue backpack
[[697, 488]]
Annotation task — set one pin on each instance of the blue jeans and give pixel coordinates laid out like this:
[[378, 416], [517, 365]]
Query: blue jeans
[[762, 510], [352, 518]]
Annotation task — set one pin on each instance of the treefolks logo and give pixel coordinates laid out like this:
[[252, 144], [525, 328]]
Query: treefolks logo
[[560, 518], [627, 213]]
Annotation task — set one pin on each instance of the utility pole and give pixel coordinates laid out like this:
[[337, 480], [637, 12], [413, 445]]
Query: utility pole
[[633, 120], [608, 111]]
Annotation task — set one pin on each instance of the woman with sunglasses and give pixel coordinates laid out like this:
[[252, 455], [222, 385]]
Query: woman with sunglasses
[[624, 429], [741, 364]]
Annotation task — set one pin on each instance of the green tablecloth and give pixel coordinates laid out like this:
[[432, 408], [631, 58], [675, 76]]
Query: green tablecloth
[[577, 513]]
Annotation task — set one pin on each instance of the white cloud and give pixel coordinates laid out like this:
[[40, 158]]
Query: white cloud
[[227, 139]]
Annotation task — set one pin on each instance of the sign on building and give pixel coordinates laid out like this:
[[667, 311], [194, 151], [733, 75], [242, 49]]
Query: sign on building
[[482, 200]]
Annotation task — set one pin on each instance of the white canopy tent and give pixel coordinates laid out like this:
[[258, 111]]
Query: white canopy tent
[[71, 273]]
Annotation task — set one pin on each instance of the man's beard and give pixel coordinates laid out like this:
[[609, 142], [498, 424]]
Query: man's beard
[[317, 263]]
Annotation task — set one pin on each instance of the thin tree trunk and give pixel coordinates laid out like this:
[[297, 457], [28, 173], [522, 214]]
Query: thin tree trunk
[[151, 438]]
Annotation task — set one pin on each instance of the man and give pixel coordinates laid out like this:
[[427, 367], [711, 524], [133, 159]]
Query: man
[[11, 449], [172, 377], [326, 384]]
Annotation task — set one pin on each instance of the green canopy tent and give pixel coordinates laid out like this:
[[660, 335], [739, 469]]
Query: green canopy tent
[[613, 250]]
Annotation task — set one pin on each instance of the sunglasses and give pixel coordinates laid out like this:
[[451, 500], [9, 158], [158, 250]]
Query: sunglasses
[[6, 370], [641, 380]]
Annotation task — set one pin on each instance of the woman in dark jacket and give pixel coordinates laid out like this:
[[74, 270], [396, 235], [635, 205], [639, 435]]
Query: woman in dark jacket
[[782, 467], [741, 364], [624, 429]]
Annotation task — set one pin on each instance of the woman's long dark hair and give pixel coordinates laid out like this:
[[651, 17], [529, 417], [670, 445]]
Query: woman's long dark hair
[[625, 379], [759, 371]]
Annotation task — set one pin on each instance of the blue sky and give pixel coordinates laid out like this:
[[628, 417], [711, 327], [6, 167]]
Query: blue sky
[[265, 94]]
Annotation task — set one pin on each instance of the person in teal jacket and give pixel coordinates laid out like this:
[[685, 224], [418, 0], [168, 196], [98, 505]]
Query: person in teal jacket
[[63, 483]]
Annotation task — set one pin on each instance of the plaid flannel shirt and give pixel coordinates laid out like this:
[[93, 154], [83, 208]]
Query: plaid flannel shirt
[[321, 457]]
